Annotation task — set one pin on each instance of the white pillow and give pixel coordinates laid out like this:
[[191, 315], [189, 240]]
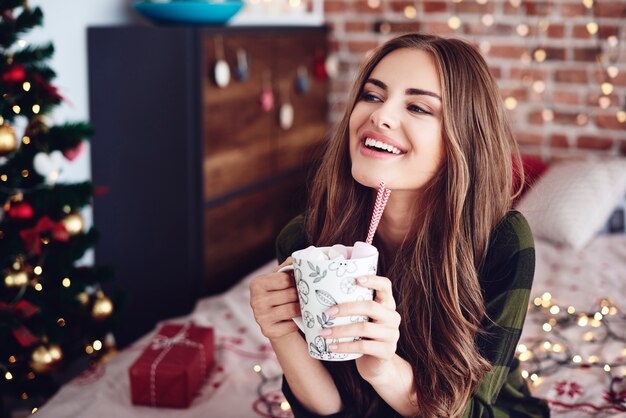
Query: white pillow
[[573, 200]]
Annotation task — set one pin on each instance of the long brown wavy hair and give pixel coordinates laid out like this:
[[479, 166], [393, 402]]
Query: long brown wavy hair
[[434, 272]]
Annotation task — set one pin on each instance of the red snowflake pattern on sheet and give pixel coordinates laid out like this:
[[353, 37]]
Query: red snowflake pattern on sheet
[[237, 346], [572, 389], [215, 379], [615, 397]]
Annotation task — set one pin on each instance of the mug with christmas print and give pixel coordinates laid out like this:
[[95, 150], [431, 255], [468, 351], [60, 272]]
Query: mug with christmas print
[[327, 276]]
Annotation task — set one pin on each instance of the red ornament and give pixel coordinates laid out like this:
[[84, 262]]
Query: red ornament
[[267, 100], [21, 210], [72, 153], [319, 66], [15, 74]]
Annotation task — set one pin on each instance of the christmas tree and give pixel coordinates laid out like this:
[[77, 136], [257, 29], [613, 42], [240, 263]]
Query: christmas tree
[[53, 311]]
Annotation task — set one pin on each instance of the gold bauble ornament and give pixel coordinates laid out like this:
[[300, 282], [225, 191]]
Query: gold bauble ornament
[[8, 140], [46, 358], [73, 223], [16, 279], [102, 307]]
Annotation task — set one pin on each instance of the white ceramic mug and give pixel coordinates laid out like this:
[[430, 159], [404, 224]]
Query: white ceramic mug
[[325, 283]]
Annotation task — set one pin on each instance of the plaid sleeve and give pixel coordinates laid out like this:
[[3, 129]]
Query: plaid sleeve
[[291, 238], [506, 279]]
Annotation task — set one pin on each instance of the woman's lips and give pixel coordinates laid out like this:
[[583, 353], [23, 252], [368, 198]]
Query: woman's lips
[[376, 153], [382, 138], [378, 146]]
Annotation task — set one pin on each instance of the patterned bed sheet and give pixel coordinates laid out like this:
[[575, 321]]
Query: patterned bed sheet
[[569, 370], [574, 338]]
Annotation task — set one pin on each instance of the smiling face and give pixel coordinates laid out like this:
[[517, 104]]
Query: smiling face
[[395, 126]]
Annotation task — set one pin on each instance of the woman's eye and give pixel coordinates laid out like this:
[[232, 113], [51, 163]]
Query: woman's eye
[[368, 97], [417, 109]]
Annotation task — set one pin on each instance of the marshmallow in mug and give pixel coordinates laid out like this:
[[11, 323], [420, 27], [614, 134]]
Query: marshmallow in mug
[[339, 251]]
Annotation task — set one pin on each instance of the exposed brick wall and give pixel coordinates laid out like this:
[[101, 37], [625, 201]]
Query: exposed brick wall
[[561, 110]]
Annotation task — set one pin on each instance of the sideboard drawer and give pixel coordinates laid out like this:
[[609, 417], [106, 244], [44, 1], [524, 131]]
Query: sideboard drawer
[[236, 232]]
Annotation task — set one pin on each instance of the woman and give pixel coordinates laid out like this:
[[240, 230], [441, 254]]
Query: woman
[[456, 264]]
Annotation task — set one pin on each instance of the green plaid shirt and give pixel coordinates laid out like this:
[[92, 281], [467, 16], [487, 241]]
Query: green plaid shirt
[[506, 279]]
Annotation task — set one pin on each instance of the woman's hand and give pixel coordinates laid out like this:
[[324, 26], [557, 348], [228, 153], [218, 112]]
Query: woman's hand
[[274, 301], [379, 336]]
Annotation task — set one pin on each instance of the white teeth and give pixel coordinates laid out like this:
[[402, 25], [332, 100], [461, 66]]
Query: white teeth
[[377, 144]]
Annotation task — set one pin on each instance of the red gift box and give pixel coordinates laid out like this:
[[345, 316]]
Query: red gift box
[[171, 370]]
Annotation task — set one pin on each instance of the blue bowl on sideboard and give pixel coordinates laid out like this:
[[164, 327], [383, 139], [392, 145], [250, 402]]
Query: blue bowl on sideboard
[[195, 12]]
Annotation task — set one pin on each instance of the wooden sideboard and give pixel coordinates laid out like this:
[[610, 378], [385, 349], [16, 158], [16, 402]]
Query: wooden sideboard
[[200, 178]]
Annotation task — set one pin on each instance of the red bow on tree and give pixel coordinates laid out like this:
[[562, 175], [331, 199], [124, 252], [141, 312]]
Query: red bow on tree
[[24, 309], [32, 236], [46, 87]]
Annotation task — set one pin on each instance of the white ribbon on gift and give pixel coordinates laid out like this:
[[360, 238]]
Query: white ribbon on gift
[[161, 342]]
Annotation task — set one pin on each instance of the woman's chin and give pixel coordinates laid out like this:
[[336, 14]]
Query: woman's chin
[[369, 179]]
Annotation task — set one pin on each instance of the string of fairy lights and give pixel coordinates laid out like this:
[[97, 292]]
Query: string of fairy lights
[[601, 325], [567, 332], [534, 28], [274, 407]]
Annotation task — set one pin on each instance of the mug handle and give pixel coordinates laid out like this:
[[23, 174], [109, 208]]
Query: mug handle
[[296, 319]]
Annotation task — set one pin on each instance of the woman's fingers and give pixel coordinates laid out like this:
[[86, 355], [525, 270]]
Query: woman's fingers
[[382, 350], [364, 329], [279, 313], [367, 338], [274, 302], [263, 300], [280, 297], [273, 319], [280, 329], [377, 312], [382, 287], [273, 281], [377, 337]]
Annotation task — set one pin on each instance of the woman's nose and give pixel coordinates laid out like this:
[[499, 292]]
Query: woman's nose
[[384, 117]]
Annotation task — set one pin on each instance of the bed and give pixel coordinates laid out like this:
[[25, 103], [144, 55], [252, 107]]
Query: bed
[[572, 363], [578, 365]]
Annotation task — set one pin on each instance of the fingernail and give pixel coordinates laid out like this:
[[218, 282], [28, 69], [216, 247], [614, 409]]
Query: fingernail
[[333, 347], [361, 279], [326, 331], [332, 311]]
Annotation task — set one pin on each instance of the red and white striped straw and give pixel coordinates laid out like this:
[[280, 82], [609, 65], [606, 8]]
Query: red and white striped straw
[[381, 201]]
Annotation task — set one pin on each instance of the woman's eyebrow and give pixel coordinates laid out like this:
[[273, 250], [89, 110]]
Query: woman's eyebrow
[[411, 91]]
